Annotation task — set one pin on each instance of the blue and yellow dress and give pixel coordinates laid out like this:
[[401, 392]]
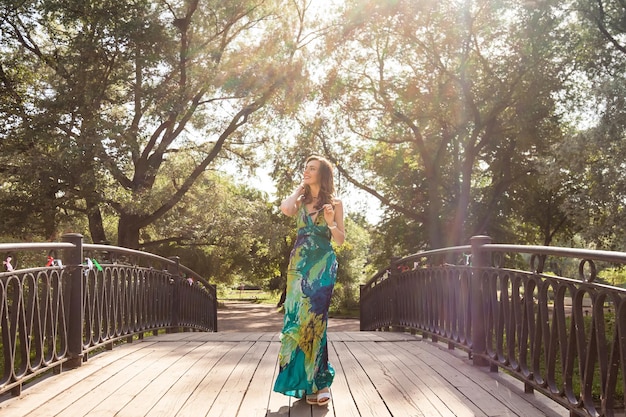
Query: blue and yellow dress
[[303, 357]]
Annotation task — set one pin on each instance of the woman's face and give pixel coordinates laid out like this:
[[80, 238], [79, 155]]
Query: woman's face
[[312, 172]]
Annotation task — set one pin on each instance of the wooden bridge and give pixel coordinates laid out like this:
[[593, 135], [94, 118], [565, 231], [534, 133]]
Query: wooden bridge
[[549, 334], [231, 373]]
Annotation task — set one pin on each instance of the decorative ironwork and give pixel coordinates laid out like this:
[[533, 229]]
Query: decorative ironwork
[[564, 337], [93, 296]]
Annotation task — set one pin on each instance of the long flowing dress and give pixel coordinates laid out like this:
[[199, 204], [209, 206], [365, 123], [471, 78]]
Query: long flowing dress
[[304, 367]]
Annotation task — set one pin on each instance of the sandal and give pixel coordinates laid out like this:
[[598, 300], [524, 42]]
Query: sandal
[[311, 399], [323, 398]]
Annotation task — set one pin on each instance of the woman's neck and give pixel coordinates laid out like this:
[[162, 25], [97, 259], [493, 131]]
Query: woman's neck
[[315, 192]]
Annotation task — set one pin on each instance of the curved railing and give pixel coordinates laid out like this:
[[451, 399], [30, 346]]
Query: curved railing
[[89, 297], [512, 307]]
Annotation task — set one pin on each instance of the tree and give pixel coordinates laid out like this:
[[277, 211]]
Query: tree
[[590, 161], [228, 231], [120, 92], [423, 98], [353, 258]]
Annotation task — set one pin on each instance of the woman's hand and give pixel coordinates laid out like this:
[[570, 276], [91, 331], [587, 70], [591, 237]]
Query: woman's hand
[[329, 214], [333, 214]]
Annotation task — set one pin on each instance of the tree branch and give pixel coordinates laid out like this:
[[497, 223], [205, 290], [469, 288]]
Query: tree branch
[[384, 200], [600, 23]]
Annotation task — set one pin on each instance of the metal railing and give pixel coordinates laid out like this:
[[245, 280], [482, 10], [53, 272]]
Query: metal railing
[[562, 336], [87, 299]]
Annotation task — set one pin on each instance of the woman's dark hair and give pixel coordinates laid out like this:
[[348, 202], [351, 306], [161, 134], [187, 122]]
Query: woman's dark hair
[[327, 182]]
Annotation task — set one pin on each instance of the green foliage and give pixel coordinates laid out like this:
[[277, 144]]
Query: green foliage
[[224, 231], [256, 296], [439, 112], [490, 117], [354, 268], [98, 101], [615, 276], [353, 255]]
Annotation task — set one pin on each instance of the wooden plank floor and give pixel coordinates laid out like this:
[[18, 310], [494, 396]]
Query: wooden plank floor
[[231, 374]]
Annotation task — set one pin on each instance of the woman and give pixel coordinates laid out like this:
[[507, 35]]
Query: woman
[[304, 367]]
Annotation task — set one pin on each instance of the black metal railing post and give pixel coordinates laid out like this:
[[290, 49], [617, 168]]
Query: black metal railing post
[[361, 309], [73, 258], [213, 290], [480, 259], [174, 271], [394, 274]]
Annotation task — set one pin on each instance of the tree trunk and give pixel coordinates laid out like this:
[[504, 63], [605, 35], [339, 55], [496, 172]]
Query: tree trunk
[[96, 228], [457, 225], [434, 226], [128, 231]]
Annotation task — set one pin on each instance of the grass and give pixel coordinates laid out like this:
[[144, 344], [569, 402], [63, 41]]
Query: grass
[[344, 313], [271, 298], [251, 296]]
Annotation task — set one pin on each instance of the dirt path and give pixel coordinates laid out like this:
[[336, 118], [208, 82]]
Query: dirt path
[[241, 316]]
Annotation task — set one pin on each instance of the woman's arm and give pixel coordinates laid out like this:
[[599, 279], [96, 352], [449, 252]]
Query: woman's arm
[[289, 205]]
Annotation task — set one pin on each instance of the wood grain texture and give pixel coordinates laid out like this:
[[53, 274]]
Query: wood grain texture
[[232, 374]]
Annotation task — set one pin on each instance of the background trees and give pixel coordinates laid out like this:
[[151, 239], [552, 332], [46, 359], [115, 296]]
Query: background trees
[[592, 158], [502, 117], [439, 108], [113, 95]]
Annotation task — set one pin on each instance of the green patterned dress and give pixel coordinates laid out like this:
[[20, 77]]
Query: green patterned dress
[[304, 366]]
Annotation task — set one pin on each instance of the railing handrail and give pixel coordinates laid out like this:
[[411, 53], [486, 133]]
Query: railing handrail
[[418, 255], [8, 247], [590, 254], [127, 251], [434, 252], [593, 254], [35, 246]]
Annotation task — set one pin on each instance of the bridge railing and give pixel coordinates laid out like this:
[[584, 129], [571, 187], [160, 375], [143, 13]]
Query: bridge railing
[[511, 307], [87, 298]]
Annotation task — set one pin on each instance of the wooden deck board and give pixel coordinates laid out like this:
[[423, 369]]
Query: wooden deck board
[[427, 375], [256, 400], [363, 391], [206, 393], [162, 381], [232, 374], [477, 387], [82, 391], [415, 394], [46, 391], [125, 384], [344, 406], [180, 390]]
